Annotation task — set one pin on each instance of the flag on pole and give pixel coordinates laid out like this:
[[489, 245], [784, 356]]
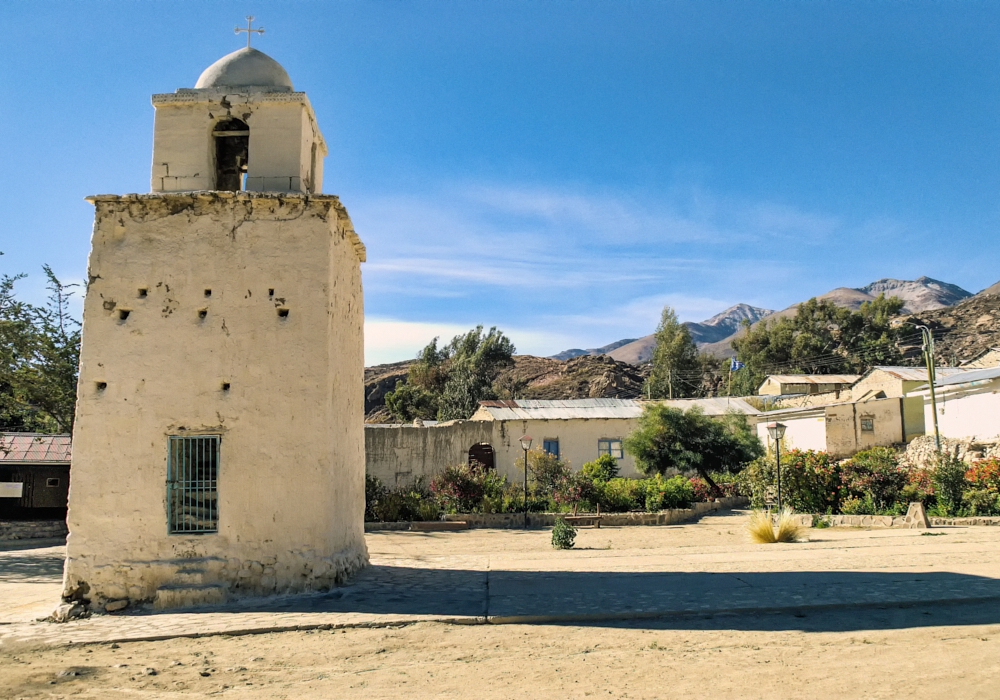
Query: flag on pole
[[735, 365]]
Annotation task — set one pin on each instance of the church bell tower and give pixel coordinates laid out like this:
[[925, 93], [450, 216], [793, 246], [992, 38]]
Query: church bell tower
[[218, 449]]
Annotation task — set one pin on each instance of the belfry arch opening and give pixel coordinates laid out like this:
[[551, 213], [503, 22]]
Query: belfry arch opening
[[232, 154]]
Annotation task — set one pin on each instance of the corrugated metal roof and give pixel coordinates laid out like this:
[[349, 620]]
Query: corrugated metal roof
[[919, 374], [969, 376], [814, 378], [536, 409], [31, 447]]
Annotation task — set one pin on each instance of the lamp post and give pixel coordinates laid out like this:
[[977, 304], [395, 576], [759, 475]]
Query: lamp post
[[526, 445], [777, 431]]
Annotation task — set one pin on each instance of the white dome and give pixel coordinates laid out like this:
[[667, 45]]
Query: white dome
[[245, 68]]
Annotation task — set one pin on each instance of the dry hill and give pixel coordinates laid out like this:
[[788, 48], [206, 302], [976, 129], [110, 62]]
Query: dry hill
[[589, 376]]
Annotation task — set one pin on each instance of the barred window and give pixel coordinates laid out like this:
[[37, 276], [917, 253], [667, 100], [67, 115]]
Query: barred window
[[192, 481]]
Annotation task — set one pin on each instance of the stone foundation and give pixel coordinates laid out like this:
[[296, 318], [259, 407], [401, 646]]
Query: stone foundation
[[195, 581], [32, 529]]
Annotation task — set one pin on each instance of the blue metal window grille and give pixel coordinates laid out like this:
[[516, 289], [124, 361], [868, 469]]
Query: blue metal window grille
[[552, 447], [610, 446], [192, 484]]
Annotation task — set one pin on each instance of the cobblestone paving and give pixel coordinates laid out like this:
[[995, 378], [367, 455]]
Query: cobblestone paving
[[502, 576]]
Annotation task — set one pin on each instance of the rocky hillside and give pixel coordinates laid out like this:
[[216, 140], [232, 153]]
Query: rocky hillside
[[715, 335], [588, 376], [963, 331], [577, 352], [922, 294]]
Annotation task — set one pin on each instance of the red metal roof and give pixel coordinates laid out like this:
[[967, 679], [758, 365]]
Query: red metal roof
[[32, 447]]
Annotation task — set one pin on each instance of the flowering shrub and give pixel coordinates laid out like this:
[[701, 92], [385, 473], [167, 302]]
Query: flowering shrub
[[810, 482], [874, 478], [702, 491], [982, 496], [465, 487]]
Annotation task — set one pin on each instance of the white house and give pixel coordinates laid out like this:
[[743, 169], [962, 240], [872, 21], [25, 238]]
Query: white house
[[968, 405]]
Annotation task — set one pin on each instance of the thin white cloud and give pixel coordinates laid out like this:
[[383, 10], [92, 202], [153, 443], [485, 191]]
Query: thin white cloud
[[393, 340]]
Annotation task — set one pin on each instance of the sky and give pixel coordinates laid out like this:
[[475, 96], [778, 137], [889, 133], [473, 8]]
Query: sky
[[559, 169]]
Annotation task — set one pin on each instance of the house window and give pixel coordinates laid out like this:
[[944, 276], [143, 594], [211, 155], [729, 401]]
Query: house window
[[552, 447], [867, 424], [610, 446], [192, 481], [52, 482]]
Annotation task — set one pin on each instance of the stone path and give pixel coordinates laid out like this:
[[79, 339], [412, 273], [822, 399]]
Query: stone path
[[502, 576]]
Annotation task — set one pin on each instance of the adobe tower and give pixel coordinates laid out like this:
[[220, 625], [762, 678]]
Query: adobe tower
[[219, 446]]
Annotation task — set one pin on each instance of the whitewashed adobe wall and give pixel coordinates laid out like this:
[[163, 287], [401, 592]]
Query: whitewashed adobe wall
[[966, 414], [184, 298]]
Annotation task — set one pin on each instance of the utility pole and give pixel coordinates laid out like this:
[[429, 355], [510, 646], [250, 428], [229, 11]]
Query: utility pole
[[928, 349]]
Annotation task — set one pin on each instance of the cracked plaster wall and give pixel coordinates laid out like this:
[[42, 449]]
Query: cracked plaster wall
[[291, 473]]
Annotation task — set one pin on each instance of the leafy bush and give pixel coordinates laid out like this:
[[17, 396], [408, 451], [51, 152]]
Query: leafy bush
[[563, 535], [466, 488], [574, 489], [621, 495], [949, 485], [604, 468], [874, 478], [546, 472], [395, 505], [982, 496], [919, 487], [675, 492], [810, 482]]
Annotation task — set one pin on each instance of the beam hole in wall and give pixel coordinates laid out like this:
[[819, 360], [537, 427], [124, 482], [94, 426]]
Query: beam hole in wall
[[123, 314], [282, 313], [101, 386], [270, 293], [208, 293], [143, 292], [202, 313], [225, 386]]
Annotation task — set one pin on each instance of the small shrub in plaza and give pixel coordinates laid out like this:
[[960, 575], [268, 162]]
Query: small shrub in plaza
[[563, 535]]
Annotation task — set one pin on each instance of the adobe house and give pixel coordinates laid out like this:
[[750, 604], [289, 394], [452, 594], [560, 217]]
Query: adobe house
[[218, 448], [576, 430], [968, 405], [787, 384], [34, 476]]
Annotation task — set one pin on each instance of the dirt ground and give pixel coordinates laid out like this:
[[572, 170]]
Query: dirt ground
[[766, 656], [923, 651]]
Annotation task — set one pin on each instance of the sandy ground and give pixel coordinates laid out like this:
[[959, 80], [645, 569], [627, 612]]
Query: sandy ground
[[769, 656], [930, 651]]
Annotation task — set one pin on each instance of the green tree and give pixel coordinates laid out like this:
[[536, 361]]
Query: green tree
[[39, 359], [821, 338], [449, 382], [676, 370], [671, 439]]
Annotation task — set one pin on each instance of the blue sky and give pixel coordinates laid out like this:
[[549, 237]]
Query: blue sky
[[559, 169]]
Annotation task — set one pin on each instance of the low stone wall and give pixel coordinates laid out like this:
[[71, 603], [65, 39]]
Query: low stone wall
[[510, 521], [32, 529], [807, 520], [942, 522]]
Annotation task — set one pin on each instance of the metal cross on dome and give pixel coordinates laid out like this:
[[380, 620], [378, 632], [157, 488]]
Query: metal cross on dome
[[249, 29]]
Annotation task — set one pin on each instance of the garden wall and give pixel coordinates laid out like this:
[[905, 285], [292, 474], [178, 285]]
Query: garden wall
[[400, 454], [504, 521]]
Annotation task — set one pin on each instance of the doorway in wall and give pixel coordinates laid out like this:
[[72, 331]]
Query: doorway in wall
[[483, 455], [232, 154]]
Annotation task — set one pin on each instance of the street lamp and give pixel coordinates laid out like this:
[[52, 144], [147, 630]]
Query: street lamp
[[777, 431], [525, 445]]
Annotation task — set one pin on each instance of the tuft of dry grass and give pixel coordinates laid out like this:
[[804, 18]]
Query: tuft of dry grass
[[762, 530], [788, 529]]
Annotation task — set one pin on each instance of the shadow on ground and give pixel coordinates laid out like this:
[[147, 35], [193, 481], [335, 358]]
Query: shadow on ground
[[828, 601]]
